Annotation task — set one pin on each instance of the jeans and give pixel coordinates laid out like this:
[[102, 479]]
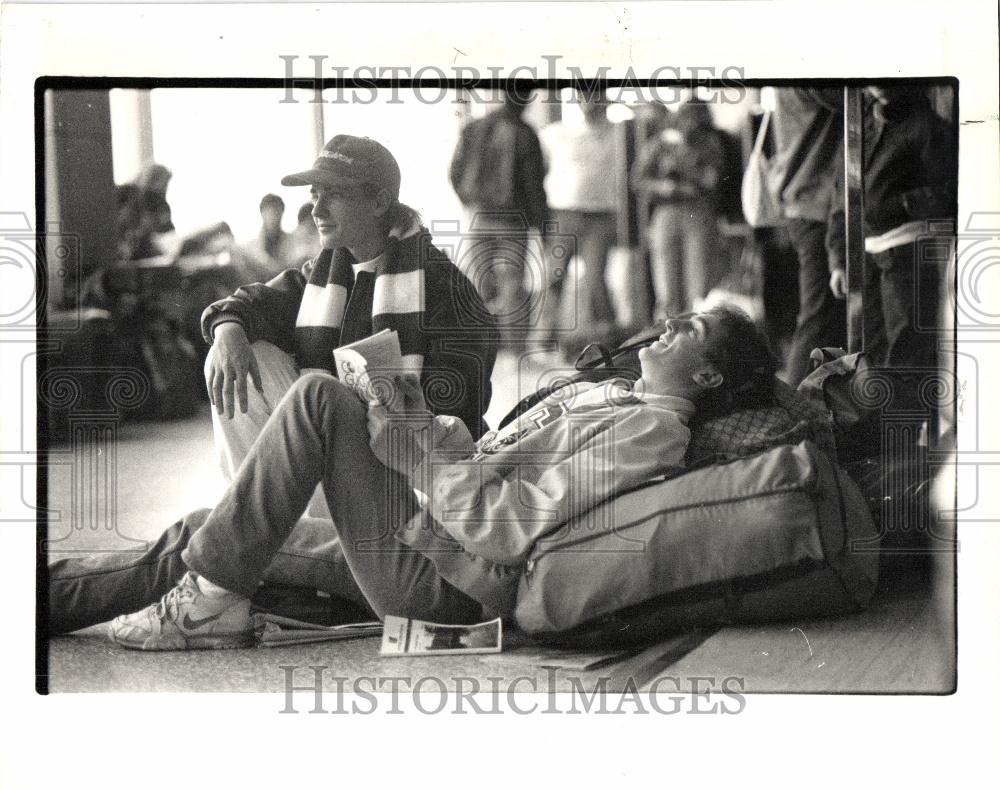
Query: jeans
[[683, 253], [592, 234], [318, 433], [822, 319], [90, 590], [497, 254]]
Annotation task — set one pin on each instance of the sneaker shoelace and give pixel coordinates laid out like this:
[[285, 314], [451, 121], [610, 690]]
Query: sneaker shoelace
[[167, 607]]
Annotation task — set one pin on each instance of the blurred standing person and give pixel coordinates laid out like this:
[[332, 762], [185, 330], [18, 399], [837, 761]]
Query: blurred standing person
[[910, 175], [497, 172], [145, 227], [679, 172], [808, 127], [305, 242], [580, 186], [269, 252]]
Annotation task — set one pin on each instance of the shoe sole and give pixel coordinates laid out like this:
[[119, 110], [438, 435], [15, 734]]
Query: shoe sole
[[193, 642]]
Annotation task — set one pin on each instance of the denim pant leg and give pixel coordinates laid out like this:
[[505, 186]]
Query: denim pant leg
[[312, 557], [319, 433], [666, 261], [599, 232], [559, 301], [496, 257], [699, 260], [84, 591], [822, 319]]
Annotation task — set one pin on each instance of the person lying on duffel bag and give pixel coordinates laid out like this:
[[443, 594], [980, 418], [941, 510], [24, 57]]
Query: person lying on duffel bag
[[433, 525]]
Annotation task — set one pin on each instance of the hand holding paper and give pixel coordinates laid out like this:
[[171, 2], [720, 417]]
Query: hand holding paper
[[407, 397], [369, 365], [398, 423]]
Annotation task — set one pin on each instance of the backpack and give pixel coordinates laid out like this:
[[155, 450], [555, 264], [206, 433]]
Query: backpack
[[859, 396], [877, 416]]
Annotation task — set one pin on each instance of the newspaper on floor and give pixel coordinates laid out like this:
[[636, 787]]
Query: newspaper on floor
[[403, 637], [560, 658], [273, 630]]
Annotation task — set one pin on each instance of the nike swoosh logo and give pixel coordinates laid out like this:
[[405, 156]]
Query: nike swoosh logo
[[191, 625]]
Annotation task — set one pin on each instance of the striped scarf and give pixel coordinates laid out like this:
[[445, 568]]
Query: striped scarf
[[344, 302]]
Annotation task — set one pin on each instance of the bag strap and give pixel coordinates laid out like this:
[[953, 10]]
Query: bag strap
[[605, 362], [607, 356]]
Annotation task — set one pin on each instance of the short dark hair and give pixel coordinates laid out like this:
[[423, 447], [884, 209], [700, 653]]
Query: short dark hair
[[741, 352], [272, 201], [305, 213]]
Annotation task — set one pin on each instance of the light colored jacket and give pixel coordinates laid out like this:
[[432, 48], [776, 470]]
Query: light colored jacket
[[488, 503]]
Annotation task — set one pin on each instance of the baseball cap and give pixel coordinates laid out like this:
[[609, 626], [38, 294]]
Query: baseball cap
[[348, 161]]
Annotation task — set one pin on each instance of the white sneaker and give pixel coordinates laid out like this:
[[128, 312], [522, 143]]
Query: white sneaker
[[186, 619]]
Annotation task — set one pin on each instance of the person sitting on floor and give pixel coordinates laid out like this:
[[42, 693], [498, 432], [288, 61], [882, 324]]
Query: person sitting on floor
[[433, 525], [377, 269]]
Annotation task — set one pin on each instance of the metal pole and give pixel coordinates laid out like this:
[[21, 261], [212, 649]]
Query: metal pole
[[319, 133], [854, 217]]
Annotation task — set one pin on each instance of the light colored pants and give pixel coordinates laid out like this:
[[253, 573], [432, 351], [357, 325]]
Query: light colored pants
[[682, 246], [234, 437]]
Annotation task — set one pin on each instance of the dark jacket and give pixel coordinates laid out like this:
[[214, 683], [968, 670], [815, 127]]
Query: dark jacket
[[686, 163], [460, 335], [910, 171], [498, 166]]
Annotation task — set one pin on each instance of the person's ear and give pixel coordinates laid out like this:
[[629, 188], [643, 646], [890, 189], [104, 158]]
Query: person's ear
[[708, 378], [381, 202]]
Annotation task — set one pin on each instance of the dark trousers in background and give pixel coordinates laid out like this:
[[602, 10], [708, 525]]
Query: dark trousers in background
[[901, 305], [822, 318]]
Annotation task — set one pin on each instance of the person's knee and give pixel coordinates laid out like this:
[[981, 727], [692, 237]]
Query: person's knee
[[315, 387], [273, 362], [265, 350], [278, 369]]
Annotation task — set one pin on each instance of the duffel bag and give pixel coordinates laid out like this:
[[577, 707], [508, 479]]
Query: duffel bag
[[758, 538]]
